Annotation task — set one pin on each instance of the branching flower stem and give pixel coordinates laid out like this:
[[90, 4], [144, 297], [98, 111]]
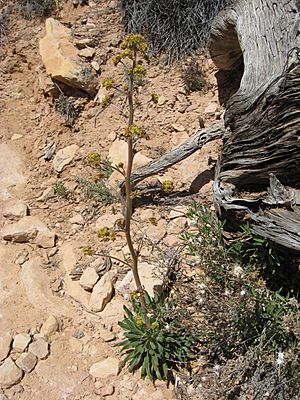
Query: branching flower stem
[[128, 186]]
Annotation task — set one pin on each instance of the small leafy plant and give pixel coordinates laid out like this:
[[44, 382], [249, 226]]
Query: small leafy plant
[[60, 189], [193, 77], [156, 341], [65, 106], [96, 190]]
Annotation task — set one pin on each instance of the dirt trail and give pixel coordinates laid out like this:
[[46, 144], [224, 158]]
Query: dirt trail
[[35, 281]]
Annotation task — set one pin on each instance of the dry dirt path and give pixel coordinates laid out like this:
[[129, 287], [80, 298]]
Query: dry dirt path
[[35, 275]]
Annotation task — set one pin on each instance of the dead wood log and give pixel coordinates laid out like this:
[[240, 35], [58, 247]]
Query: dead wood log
[[201, 137], [258, 174]]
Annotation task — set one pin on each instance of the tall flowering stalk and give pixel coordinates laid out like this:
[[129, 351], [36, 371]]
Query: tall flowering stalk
[[132, 58]]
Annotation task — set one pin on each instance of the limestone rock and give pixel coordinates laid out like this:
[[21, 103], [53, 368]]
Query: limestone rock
[[161, 100], [176, 226], [95, 65], [108, 390], [40, 348], [16, 136], [102, 292], [61, 59], [89, 278], [118, 153], [50, 326], [151, 278], [106, 335], [10, 374], [77, 220], [109, 220], [47, 194], [21, 341], [64, 157], [211, 109], [21, 257], [77, 293], [37, 286], [14, 209], [123, 286], [105, 368], [157, 233], [5, 343], [178, 127], [88, 52], [29, 229], [27, 362]]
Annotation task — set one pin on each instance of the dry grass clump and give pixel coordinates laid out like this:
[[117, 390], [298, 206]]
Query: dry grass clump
[[175, 27]]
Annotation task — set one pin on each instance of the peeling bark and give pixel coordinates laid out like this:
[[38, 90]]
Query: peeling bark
[[258, 174]]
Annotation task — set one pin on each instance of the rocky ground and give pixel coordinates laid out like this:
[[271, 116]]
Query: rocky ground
[[59, 309]]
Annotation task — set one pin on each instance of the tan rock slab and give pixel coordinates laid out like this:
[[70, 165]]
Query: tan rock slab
[[64, 157], [118, 154], [102, 292], [151, 277], [29, 229], [211, 109], [14, 209], [47, 194], [88, 52], [178, 127], [40, 348], [5, 344], [62, 61], [106, 335], [89, 278], [105, 368], [10, 374], [77, 220], [109, 220], [37, 287], [27, 362], [50, 326], [21, 341]]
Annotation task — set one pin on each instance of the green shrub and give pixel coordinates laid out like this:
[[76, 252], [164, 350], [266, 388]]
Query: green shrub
[[96, 190], [65, 106], [60, 189], [193, 77], [250, 331], [156, 340]]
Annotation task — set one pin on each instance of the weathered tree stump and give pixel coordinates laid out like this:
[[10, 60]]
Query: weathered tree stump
[[258, 175]]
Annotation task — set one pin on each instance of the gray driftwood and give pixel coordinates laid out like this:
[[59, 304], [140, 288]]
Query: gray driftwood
[[194, 143], [258, 175]]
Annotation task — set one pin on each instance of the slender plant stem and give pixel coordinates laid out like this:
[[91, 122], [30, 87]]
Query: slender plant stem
[[130, 157]]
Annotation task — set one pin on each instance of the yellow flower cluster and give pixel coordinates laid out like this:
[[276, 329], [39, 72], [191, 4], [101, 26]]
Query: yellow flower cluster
[[131, 45], [167, 186], [134, 132], [139, 321], [106, 101], [87, 250], [105, 234], [108, 83], [94, 159], [135, 42]]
